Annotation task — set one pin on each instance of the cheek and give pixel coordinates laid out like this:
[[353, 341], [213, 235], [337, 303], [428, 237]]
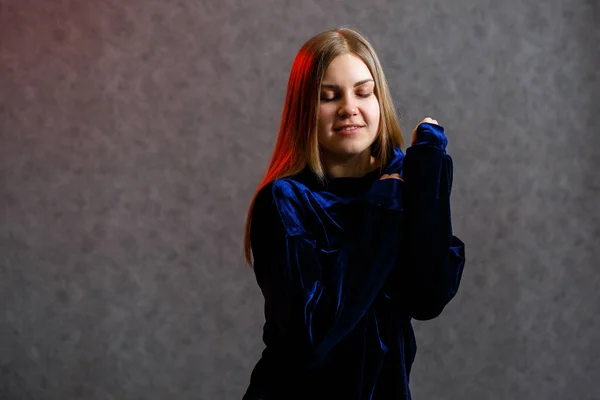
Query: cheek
[[326, 116], [373, 112]]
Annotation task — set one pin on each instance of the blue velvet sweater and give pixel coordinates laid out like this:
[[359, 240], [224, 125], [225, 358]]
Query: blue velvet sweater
[[344, 266]]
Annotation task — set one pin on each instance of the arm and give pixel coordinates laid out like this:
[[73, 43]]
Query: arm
[[431, 260], [313, 311]]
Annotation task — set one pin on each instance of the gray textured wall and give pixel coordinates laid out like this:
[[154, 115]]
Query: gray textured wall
[[132, 135]]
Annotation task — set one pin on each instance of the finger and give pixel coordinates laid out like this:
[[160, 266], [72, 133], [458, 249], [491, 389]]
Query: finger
[[392, 176], [396, 176]]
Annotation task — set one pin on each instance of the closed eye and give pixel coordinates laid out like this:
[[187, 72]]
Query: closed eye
[[328, 99]]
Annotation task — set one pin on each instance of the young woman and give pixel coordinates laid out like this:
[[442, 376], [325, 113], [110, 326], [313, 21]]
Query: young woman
[[349, 238]]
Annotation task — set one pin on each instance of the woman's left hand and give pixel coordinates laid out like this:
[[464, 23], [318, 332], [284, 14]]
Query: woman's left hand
[[414, 139], [414, 132]]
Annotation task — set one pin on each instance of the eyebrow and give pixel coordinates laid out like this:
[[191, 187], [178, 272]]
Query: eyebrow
[[334, 86]]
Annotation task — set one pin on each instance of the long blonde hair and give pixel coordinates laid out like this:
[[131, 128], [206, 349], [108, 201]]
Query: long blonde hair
[[297, 144]]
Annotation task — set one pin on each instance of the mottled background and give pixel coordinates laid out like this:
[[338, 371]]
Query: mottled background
[[133, 134]]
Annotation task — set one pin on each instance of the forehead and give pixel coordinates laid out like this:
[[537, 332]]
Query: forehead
[[346, 69]]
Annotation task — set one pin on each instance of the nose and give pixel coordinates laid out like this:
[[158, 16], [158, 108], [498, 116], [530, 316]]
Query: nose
[[347, 108]]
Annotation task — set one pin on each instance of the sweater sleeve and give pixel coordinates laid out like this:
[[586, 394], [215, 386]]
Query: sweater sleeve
[[431, 259], [313, 311]]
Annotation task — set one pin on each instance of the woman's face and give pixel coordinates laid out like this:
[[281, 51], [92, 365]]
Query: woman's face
[[347, 98]]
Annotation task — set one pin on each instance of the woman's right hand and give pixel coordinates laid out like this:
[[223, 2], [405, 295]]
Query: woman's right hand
[[391, 176]]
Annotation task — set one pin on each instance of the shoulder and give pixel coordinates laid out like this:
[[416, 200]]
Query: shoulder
[[281, 201], [281, 193]]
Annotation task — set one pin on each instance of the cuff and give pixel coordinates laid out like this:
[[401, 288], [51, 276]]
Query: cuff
[[432, 135]]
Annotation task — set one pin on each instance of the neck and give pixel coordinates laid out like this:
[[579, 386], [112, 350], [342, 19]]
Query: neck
[[358, 165]]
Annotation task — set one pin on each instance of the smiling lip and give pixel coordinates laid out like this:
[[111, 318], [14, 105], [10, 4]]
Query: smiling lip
[[354, 129]]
